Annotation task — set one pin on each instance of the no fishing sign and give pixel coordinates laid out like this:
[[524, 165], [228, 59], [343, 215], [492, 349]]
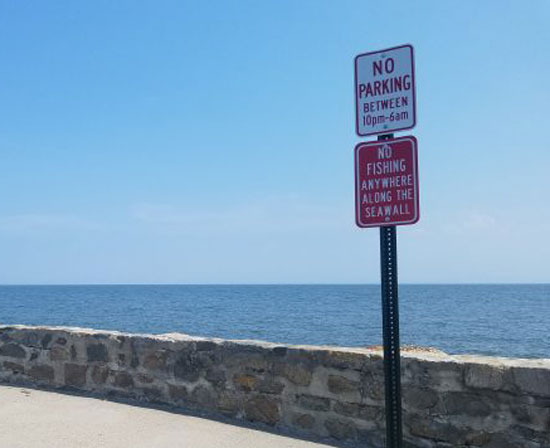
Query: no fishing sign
[[385, 99], [386, 182]]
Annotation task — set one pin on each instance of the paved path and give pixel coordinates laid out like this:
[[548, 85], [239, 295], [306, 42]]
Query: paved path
[[36, 419]]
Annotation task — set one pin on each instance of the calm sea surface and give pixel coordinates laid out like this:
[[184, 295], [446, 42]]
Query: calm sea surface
[[504, 320]]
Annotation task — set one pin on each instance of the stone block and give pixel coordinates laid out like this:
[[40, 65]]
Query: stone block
[[509, 441], [59, 354], [144, 378], [42, 373], [157, 360], [298, 374], [75, 375], [312, 402], [262, 409], [419, 398], [12, 350], [343, 360], [361, 411], [460, 403], [97, 353], [436, 375], [187, 368], [303, 421], [531, 435], [229, 403], [256, 364], [437, 428], [270, 386], [13, 367], [178, 393], [338, 384], [29, 338], [217, 377], [100, 374], [245, 383], [372, 385], [534, 381], [123, 380], [152, 394], [485, 376], [534, 416], [341, 429], [204, 397], [478, 438]]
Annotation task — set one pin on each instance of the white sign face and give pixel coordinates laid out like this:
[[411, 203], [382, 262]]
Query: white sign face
[[385, 99]]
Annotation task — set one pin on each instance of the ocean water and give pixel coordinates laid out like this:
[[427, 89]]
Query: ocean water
[[502, 320]]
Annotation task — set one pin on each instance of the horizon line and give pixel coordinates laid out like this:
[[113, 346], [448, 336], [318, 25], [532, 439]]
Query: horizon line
[[279, 284]]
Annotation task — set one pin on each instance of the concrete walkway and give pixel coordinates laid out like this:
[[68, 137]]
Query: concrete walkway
[[36, 419]]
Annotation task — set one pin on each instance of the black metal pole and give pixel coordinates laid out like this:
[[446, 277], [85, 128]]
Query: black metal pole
[[390, 323]]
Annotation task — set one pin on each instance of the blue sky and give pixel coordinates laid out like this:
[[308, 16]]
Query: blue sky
[[212, 142]]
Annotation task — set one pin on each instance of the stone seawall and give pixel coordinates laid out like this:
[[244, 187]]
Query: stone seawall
[[325, 392]]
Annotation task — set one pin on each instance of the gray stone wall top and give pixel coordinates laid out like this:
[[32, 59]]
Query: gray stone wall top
[[420, 353]]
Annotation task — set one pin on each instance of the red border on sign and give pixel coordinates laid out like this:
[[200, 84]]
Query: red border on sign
[[415, 171], [355, 92]]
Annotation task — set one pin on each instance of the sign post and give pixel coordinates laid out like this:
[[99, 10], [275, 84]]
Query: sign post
[[390, 330], [386, 190], [390, 323]]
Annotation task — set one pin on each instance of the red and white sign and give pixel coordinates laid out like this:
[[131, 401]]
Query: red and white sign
[[386, 182], [385, 99]]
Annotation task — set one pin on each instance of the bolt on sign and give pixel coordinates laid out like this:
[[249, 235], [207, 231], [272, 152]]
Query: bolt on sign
[[386, 182], [385, 99]]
